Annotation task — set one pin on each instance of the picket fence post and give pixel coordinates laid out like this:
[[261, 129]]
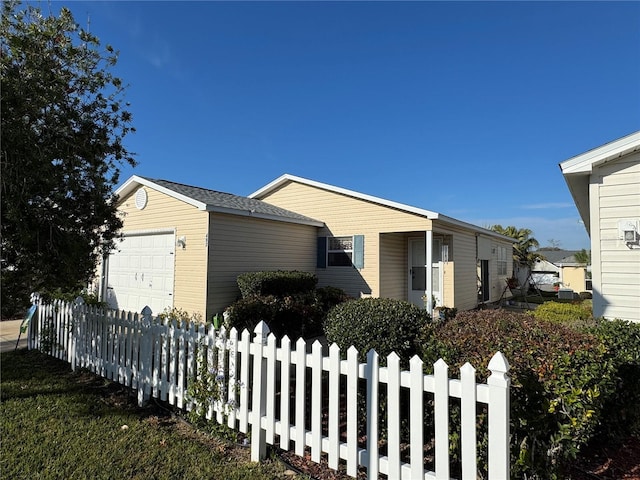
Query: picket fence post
[[78, 317], [259, 393], [146, 354], [499, 407]]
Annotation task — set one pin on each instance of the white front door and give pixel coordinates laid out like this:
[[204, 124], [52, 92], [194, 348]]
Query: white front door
[[140, 273], [418, 272]]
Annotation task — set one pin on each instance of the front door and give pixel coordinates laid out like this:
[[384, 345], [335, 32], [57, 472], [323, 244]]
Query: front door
[[417, 287]]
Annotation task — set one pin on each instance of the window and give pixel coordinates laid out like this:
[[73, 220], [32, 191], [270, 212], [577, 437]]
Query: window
[[502, 261], [340, 251]]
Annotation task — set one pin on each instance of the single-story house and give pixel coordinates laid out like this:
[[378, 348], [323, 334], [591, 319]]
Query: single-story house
[[184, 246], [561, 267], [605, 185], [370, 246]]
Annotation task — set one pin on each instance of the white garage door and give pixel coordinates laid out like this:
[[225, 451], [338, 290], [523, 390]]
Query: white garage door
[[140, 273]]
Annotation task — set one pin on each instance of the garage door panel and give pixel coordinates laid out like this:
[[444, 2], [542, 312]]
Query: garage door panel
[[141, 273]]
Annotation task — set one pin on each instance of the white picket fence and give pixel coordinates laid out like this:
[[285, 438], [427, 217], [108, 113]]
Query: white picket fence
[[298, 395]]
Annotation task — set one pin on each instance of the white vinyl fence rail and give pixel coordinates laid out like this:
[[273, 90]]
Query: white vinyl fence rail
[[296, 396]]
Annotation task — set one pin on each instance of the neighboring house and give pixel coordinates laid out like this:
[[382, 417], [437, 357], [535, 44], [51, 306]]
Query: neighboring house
[[561, 267], [185, 246], [605, 185], [370, 246]]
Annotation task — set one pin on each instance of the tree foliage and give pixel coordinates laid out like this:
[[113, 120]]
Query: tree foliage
[[63, 124], [583, 257], [524, 244]]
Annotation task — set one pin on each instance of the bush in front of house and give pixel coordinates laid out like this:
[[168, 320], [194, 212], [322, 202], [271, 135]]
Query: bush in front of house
[[279, 283], [295, 316], [562, 381], [621, 340], [563, 312], [383, 324]]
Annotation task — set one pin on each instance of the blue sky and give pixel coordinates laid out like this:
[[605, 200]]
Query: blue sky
[[464, 108]]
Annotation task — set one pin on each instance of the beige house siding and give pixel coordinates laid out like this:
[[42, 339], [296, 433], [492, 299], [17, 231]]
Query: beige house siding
[[243, 244], [574, 277], [345, 216], [614, 196], [163, 212], [393, 266], [465, 273]]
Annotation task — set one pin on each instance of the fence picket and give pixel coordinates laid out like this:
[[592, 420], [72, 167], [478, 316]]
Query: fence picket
[[270, 355], [160, 358], [285, 390], [316, 401], [232, 394], [334, 407], [372, 376], [468, 422], [393, 415], [301, 372], [243, 409], [352, 411], [441, 413], [416, 417]]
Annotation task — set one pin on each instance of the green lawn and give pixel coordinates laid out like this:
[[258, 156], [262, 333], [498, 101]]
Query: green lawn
[[57, 424]]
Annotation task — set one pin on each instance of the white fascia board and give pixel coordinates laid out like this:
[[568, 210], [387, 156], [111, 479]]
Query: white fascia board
[[350, 193], [584, 163], [430, 215], [135, 181], [264, 216]]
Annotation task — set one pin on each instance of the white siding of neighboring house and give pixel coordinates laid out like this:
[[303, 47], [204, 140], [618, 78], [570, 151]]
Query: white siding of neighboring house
[[615, 195]]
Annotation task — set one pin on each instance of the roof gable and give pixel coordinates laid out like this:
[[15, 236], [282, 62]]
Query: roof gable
[[215, 201], [287, 178], [576, 170]]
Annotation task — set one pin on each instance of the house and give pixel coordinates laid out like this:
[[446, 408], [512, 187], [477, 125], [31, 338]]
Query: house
[[605, 185], [184, 246], [561, 267], [370, 246]]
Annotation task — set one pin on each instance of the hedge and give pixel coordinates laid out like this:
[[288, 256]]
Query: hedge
[[279, 283], [383, 324], [563, 380]]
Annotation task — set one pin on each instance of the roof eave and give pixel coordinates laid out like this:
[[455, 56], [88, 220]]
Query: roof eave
[[135, 181], [263, 216]]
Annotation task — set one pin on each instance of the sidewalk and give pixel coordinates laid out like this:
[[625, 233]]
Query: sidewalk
[[9, 331]]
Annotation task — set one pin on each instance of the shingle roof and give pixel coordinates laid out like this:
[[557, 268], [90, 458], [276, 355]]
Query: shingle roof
[[212, 200], [559, 256]]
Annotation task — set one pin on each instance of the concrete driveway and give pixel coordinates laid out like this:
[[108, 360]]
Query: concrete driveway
[[9, 331]]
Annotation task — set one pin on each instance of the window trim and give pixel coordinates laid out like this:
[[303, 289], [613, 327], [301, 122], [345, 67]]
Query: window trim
[[502, 261]]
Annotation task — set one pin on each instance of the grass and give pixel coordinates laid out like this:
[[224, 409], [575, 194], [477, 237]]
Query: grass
[[59, 424]]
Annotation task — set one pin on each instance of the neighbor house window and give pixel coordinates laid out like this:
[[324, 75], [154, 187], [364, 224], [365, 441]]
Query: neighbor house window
[[502, 260], [340, 251]]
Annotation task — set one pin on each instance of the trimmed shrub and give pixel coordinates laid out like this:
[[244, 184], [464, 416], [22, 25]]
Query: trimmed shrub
[[621, 340], [382, 324], [295, 315], [329, 297], [560, 376], [279, 283], [563, 312]]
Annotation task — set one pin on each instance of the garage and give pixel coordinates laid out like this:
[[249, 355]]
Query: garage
[[141, 272]]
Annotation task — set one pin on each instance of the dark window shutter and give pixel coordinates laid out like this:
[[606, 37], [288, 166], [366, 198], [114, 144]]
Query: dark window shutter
[[322, 252], [358, 251]]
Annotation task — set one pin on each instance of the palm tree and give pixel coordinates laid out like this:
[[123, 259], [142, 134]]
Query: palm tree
[[583, 257], [523, 246]]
